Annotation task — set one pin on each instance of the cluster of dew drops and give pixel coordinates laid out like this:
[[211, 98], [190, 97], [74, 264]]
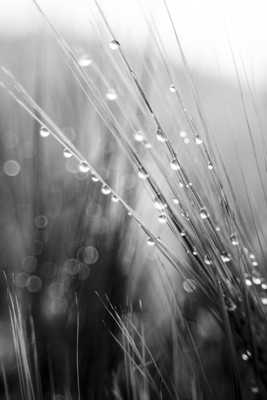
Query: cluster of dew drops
[[139, 136]]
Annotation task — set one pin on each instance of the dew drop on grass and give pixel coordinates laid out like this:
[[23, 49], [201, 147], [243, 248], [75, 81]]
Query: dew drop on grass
[[210, 166], [225, 257], [183, 134], [182, 233], [248, 282], [114, 44], [198, 140], [203, 213], [84, 61], [174, 164], [150, 242], [147, 145], [161, 136], [264, 301], [159, 204], [94, 178], [111, 95], [264, 286], [234, 239], [186, 140], [84, 167], [114, 198], [142, 174], [256, 280], [105, 190], [207, 260], [139, 136], [162, 218], [175, 201], [172, 88], [67, 153], [44, 132]]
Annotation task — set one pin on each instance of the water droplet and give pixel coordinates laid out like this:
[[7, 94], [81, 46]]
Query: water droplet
[[186, 140], [114, 198], [34, 284], [11, 168], [84, 167], [189, 285], [111, 95], [264, 286], [174, 164], [172, 88], [182, 233], [252, 256], [207, 260], [84, 60], [246, 355], [105, 190], [147, 145], [94, 178], [210, 166], [225, 257], [162, 218], [217, 229], [161, 136], [181, 184], [183, 134], [44, 132], [67, 153], [159, 204], [203, 213], [139, 136], [142, 174], [194, 252], [175, 201], [248, 282], [198, 139], [234, 239], [150, 242], [264, 300], [114, 44], [256, 280], [255, 263]]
